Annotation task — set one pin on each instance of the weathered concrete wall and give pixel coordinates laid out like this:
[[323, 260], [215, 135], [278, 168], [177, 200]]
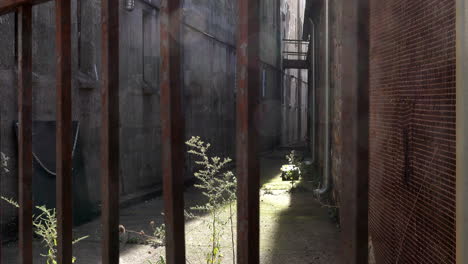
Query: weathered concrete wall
[[209, 59], [139, 99], [295, 93], [209, 73], [269, 112], [8, 108], [139, 127]]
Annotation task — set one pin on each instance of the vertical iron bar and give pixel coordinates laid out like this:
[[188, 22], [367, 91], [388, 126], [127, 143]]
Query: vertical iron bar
[[173, 126], [1, 208], [110, 131], [25, 170], [248, 74], [64, 132], [355, 121]]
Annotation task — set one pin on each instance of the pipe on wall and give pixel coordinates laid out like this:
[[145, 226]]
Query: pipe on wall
[[313, 100], [299, 73], [326, 183]]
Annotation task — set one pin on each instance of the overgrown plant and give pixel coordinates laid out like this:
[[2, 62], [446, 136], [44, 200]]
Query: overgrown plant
[[295, 159], [44, 224], [218, 185], [293, 170], [161, 260]]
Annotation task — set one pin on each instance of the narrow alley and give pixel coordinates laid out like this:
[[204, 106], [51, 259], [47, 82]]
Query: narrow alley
[[343, 120]]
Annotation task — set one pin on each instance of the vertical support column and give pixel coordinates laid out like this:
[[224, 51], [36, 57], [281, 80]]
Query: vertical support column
[[462, 131], [173, 128], [1, 208], [298, 125], [25, 169], [355, 122], [64, 132], [248, 175], [110, 131]]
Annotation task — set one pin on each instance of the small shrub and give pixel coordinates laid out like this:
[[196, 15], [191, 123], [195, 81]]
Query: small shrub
[[290, 173], [159, 234], [219, 186], [161, 260], [293, 170], [45, 226], [295, 159]]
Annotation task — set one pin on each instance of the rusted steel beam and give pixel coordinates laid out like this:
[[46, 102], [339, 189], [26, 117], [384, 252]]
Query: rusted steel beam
[[355, 121], [172, 118], [25, 165], [8, 6], [110, 131], [248, 80], [64, 132]]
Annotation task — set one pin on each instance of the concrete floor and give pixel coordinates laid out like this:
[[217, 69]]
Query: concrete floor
[[294, 228]]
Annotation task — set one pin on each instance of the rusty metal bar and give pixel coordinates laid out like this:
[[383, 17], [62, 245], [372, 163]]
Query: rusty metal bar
[[172, 118], [355, 121], [1, 177], [248, 74], [64, 132], [25, 169], [110, 131], [8, 6]]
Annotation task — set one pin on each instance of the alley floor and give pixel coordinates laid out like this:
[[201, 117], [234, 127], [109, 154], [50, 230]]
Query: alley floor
[[295, 228]]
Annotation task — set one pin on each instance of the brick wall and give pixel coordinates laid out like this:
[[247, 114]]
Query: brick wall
[[412, 131]]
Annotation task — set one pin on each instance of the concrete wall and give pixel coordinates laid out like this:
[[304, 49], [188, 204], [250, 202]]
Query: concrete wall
[[209, 59], [209, 73], [270, 74], [295, 82]]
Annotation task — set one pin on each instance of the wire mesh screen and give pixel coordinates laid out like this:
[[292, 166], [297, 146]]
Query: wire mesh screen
[[412, 131]]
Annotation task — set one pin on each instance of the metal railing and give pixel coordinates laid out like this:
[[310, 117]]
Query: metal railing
[[295, 49]]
